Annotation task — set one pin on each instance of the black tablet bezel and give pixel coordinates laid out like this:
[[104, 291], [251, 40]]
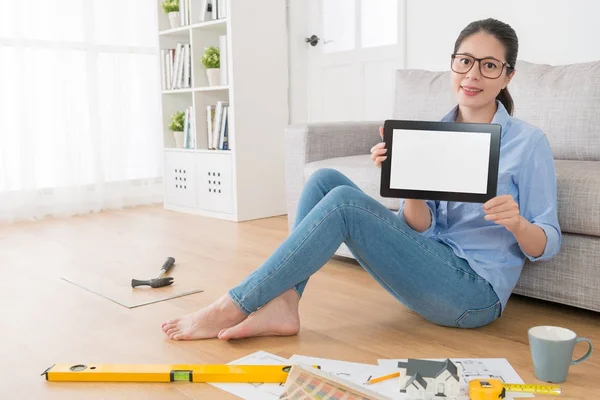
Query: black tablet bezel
[[494, 130]]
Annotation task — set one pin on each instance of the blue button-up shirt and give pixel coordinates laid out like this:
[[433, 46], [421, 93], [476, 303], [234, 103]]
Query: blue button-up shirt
[[526, 171]]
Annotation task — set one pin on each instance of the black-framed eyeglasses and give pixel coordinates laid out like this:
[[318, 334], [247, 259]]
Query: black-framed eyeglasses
[[489, 67]]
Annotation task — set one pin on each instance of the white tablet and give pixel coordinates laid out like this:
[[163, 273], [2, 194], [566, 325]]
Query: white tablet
[[440, 160]]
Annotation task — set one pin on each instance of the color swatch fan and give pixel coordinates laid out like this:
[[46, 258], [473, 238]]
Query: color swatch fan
[[305, 383]]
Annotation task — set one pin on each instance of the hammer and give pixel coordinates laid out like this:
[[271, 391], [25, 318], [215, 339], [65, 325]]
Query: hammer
[[160, 281]]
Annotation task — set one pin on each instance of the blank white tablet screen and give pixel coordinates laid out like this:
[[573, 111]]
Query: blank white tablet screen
[[440, 161]]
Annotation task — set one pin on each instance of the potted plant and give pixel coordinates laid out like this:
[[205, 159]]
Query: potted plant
[[171, 8], [176, 126], [212, 63]]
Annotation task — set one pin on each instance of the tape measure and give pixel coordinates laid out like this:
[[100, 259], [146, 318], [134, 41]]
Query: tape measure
[[493, 389]]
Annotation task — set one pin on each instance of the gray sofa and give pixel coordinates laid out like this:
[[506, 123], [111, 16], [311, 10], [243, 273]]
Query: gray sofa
[[564, 101]]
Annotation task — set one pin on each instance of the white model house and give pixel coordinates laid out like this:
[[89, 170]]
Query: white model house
[[423, 379]]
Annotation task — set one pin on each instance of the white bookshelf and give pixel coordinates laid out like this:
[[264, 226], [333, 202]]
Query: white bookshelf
[[247, 181]]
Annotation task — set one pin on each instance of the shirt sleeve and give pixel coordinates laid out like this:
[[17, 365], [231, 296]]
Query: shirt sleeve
[[432, 211], [538, 197]]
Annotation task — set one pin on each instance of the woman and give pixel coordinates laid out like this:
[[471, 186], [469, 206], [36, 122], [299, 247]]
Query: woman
[[453, 263]]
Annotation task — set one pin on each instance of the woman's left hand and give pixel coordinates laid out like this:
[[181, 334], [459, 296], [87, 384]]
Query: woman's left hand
[[504, 210]]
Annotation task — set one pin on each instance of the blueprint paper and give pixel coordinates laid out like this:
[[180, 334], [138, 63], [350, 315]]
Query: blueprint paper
[[256, 391]]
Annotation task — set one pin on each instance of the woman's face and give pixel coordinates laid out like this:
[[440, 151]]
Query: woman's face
[[474, 89]]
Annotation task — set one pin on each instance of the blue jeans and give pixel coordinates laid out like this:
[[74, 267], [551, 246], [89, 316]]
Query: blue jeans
[[422, 273]]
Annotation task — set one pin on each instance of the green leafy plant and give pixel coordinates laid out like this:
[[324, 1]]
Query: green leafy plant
[[211, 58], [170, 6], [177, 121]]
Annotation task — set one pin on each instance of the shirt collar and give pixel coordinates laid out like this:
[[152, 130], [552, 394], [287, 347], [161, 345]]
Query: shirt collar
[[501, 117]]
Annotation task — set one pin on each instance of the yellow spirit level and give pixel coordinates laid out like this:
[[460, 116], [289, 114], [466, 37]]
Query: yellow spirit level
[[493, 389], [168, 373]]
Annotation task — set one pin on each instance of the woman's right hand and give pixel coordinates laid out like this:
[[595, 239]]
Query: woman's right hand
[[378, 151]]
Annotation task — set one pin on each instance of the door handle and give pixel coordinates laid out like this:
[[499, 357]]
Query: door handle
[[313, 40]]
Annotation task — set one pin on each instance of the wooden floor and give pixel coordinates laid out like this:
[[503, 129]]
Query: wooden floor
[[345, 314]]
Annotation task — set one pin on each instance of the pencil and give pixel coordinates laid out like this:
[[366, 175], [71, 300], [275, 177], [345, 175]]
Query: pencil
[[383, 378]]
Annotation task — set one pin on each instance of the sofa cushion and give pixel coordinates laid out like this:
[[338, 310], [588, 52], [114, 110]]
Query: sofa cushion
[[422, 95], [578, 188], [561, 100], [579, 196]]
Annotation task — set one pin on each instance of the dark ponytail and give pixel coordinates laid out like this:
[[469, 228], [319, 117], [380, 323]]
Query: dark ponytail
[[506, 100], [507, 36]]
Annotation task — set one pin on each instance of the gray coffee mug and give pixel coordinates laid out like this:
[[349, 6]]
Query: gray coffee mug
[[552, 352]]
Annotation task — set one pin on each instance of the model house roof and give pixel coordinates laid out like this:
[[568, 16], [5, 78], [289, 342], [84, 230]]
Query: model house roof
[[417, 378], [429, 369]]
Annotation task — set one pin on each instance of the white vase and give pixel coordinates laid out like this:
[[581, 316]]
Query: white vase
[[175, 19], [214, 76], [178, 139]]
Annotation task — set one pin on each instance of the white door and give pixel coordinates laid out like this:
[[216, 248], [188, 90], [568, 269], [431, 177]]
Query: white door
[[356, 47], [441, 388]]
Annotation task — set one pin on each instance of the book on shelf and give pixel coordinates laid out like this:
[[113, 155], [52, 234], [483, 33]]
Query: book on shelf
[[221, 9], [210, 121], [222, 133], [212, 10], [217, 126], [189, 129], [184, 12], [176, 67]]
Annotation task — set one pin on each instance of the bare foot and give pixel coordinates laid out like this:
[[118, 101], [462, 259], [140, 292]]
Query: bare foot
[[205, 323], [279, 317]]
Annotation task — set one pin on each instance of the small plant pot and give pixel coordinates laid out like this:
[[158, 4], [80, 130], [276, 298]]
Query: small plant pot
[[178, 139], [214, 76], [175, 19]]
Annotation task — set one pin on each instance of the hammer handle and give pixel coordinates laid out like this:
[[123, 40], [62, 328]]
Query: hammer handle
[[166, 266]]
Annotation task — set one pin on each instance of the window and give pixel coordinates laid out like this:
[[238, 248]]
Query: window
[[376, 25], [80, 118]]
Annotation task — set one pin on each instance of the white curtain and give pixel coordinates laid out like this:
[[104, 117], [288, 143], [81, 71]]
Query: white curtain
[[80, 114]]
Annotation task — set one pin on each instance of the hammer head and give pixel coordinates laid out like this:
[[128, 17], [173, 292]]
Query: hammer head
[[155, 283]]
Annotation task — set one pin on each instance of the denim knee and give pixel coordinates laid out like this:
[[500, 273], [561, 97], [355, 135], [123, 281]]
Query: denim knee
[[325, 175], [344, 193]]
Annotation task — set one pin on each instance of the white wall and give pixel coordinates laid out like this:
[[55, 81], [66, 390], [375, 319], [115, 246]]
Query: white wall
[[549, 31]]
